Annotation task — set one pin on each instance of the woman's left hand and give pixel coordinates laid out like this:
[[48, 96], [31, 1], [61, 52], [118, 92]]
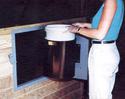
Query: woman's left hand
[[83, 25], [73, 29]]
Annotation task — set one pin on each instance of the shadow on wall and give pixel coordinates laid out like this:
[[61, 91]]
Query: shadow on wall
[[121, 47], [17, 12]]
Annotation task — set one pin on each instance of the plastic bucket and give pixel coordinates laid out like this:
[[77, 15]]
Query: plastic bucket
[[58, 32]]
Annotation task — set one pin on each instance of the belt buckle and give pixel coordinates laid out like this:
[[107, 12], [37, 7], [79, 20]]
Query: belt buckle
[[102, 42]]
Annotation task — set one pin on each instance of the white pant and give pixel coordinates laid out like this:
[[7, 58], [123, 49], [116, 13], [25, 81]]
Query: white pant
[[103, 65]]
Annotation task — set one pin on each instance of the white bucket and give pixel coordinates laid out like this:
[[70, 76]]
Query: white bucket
[[58, 32]]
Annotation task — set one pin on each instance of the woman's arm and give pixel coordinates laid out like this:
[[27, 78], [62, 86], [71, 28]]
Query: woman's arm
[[108, 13]]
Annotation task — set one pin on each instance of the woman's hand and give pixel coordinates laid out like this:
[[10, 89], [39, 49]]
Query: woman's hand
[[74, 28], [83, 25]]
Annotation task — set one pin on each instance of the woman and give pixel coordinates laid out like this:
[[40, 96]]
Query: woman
[[103, 56]]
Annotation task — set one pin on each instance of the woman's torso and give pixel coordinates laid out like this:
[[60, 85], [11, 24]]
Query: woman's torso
[[116, 23]]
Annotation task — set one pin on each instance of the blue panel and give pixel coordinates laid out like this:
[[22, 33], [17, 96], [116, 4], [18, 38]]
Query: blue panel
[[14, 62], [81, 69]]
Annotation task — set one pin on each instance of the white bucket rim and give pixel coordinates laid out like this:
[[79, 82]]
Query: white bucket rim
[[57, 25]]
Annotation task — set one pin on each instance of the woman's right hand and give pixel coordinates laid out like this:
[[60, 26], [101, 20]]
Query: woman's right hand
[[82, 25]]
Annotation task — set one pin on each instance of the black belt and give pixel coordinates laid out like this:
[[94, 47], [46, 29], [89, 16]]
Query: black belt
[[102, 42]]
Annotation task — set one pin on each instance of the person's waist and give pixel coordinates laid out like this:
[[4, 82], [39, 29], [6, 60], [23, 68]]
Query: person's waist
[[102, 42]]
